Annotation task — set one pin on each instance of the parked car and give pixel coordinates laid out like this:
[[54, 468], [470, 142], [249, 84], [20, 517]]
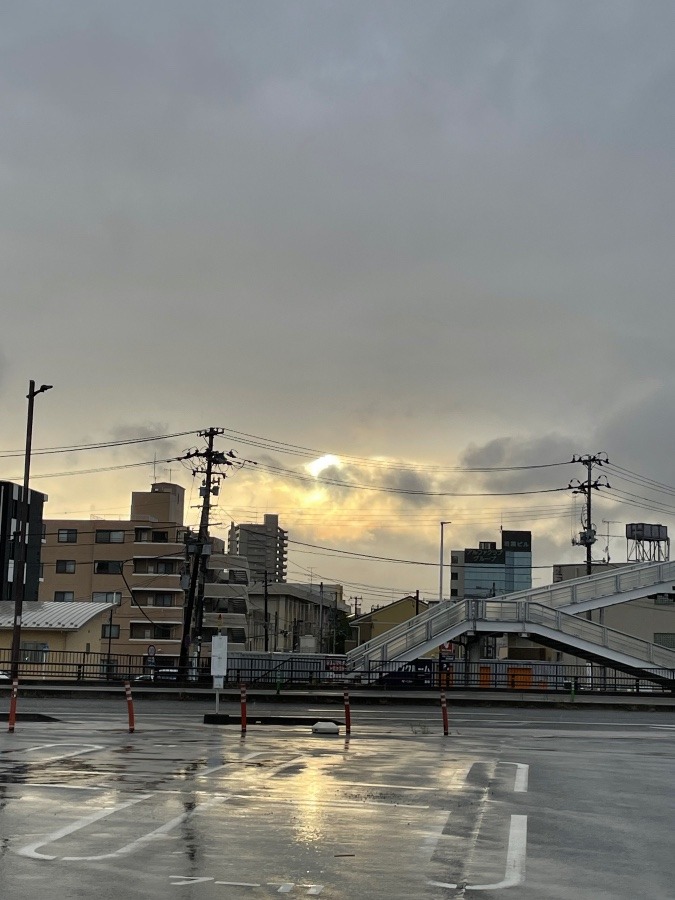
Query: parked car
[[5, 676], [160, 675]]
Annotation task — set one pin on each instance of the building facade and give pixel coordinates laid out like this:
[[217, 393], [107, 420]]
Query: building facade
[[300, 617], [489, 571], [134, 565], [265, 546], [11, 496]]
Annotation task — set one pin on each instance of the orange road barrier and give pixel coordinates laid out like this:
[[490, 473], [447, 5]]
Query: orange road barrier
[[243, 709], [12, 705], [130, 707], [348, 714], [444, 710]]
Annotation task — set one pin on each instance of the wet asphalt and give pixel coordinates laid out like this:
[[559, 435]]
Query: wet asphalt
[[526, 803]]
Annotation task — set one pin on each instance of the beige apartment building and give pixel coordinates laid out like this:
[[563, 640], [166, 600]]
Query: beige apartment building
[[134, 565]]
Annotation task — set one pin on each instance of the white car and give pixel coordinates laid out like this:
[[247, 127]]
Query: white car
[[5, 676]]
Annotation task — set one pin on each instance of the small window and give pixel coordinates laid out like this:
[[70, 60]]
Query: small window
[[108, 567], [160, 537], [664, 599], [65, 566], [109, 537], [67, 535], [63, 596], [110, 631], [162, 600], [454, 576], [665, 639], [44, 533], [107, 597], [454, 592], [142, 535]]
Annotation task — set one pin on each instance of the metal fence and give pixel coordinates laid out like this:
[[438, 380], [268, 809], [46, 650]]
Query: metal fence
[[288, 670]]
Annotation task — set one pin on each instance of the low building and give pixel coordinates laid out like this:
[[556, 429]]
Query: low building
[[380, 619], [300, 617], [55, 637]]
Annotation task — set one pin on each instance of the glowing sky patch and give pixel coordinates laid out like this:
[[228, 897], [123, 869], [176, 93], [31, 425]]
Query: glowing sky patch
[[323, 462]]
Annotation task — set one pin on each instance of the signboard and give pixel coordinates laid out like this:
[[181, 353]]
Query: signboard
[[219, 655], [520, 541], [484, 557]]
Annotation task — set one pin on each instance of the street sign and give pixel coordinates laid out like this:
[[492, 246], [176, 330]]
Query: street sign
[[219, 655]]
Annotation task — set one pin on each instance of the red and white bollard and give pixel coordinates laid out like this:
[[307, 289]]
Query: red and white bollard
[[348, 714], [130, 707], [12, 705], [243, 709], [444, 710]]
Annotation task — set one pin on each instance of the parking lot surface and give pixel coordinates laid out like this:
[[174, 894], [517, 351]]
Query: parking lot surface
[[526, 803]]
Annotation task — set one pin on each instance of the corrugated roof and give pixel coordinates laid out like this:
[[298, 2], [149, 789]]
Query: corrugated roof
[[57, 616]]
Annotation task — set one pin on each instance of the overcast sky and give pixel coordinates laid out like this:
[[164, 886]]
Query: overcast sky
[[436, 234]]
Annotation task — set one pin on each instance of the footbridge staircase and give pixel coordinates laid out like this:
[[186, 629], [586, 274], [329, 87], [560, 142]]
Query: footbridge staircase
[[547, 615]]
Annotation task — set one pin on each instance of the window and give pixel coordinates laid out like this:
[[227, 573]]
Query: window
[[44, 533], [107, 597], [147, 535], [108, 566], [454, 592], [155, 566], [65, 566], [110, 631], [665, 639], [145, 631], [162, 600], [67, 535], [454, 576], [42, 572], [63, 596], [664, 599], [109, 537]]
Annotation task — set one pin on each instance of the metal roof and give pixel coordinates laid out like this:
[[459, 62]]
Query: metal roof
[[56, 616]]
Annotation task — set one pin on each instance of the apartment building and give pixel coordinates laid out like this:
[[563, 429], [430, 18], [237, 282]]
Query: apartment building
[[134, 565], [265, 546]]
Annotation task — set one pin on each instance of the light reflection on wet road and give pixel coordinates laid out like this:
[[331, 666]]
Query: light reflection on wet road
[[187, 810]]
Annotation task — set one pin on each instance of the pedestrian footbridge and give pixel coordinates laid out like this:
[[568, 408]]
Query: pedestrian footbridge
[[547, 615]]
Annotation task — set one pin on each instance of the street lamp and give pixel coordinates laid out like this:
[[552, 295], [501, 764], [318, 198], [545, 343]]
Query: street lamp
[[440, 586], [20, 548]]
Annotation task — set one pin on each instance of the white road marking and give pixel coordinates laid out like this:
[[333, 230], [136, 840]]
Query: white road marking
[[238, 883], [515, 858], [286, 888], [31, 849], [225, 765], [150, 836], [516, 855], [188, 879], [87, 748], [522, 775]]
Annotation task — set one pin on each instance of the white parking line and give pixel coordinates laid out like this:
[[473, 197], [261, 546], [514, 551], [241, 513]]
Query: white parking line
[[150, 836], [31, 849], [516, 855], [515, 858]]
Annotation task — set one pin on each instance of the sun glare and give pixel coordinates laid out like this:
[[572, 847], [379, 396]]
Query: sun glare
[[324, 462]]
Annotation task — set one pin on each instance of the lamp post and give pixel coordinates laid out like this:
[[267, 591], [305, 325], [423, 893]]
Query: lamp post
[[440, 585], [20, 546]]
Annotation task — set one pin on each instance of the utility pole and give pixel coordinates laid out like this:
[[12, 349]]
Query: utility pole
[[587, 536], [417, 602], [200, 549]]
